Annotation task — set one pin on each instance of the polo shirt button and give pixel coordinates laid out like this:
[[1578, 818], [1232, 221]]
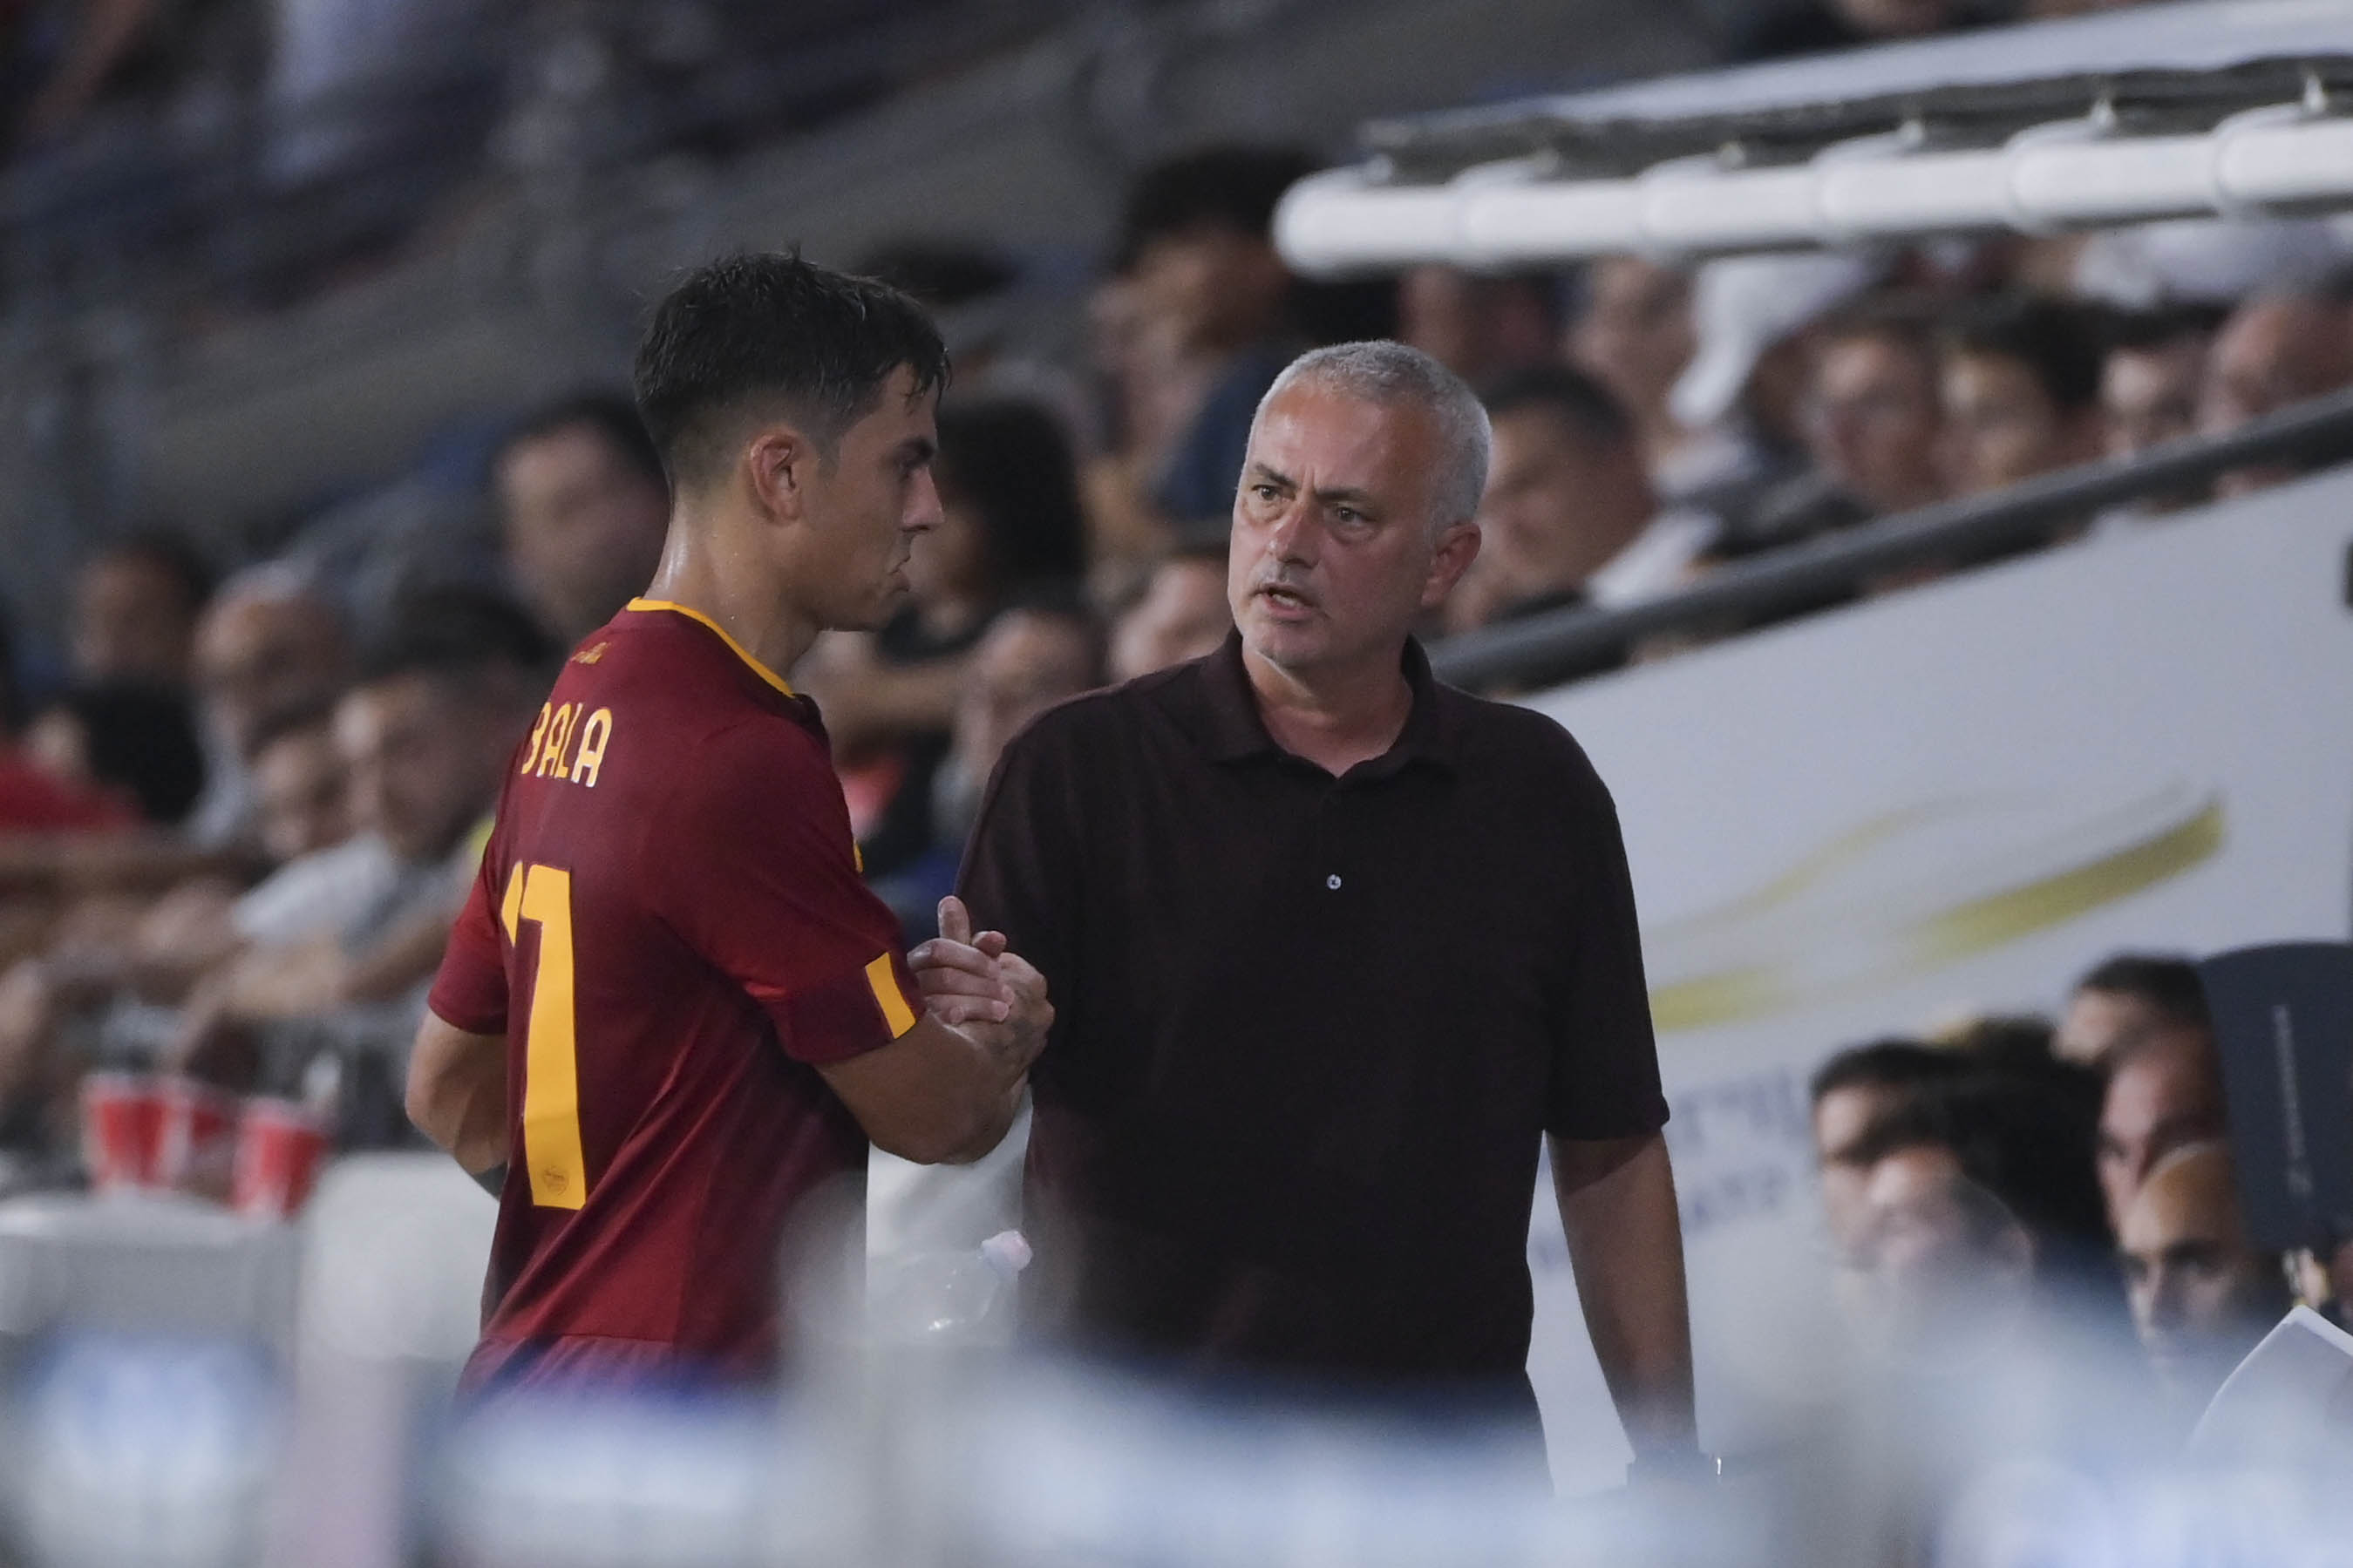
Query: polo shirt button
[[1333, 881]]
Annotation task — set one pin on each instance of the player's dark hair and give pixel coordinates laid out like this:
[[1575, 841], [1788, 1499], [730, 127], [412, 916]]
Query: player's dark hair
[[454, 634], [613, 419], [773, 331], [1590, 410], [2058, 341], [2166, 982], [1886, 1064], [1009, 460], [1230, 187]]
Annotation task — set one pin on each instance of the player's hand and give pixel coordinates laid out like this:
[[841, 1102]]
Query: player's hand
[[974, 984], [959, 974], [1033, 1012]]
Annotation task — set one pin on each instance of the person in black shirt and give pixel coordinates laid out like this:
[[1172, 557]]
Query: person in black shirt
[[1335, 950]]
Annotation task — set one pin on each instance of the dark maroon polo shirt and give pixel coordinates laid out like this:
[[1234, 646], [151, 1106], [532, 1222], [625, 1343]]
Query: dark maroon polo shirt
[[1308, 1031]]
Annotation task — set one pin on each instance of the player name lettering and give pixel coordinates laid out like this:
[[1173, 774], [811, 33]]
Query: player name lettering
[[564, 746]]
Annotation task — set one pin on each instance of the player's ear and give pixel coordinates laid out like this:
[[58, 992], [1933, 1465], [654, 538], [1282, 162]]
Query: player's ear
[[778, 462]]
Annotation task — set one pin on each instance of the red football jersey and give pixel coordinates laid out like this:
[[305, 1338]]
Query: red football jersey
[[670, 930]]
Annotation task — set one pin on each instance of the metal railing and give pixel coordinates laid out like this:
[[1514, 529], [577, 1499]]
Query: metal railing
[[1582, 639]]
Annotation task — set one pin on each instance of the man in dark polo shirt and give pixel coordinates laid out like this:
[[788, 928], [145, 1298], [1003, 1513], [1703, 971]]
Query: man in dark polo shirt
[[1333, 947]]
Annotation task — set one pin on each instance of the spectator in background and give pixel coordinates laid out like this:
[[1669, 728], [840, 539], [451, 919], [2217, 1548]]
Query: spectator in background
[[2148, 392], [135, 607], [1635, 335], [135, 740], [2149, 381], [1929, 1243], [2201, 1295], [1754, 317], [1479, 326], [1570, 516], [1872, 415], [2164, 1092], [2020, 387], [425, 736], [302, 816], [582, 505], [2126, 996], [1852, 1094], [1181, 615], [301, 790], [1010, 526], [1196, 240], [267, 648], [1034, 656], [2277, 349]]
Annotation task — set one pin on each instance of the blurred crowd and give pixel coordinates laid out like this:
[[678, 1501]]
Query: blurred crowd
[[2009, 1182], [236, 811]]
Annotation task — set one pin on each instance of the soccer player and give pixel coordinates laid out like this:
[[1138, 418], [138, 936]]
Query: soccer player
[[671, 1002]]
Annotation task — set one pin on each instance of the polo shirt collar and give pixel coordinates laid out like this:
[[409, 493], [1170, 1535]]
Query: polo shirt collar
[[1228, 724]]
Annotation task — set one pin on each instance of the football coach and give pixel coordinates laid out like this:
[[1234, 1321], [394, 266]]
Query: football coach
[[1333, 948]]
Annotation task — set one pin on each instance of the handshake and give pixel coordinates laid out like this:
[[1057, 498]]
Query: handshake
[[976, 985]]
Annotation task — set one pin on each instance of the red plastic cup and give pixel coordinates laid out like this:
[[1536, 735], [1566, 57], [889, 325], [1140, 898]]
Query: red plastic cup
[[198, 1143], [121, 1126], [279, 1147]]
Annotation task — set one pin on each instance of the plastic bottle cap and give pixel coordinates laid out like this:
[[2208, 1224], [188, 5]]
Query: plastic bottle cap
[[1008, 1252]]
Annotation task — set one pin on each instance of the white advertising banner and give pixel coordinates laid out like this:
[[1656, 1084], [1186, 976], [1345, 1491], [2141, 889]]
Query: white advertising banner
[[1946, 802]]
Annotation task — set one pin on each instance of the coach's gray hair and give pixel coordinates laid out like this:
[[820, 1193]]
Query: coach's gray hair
[[1381, 370]]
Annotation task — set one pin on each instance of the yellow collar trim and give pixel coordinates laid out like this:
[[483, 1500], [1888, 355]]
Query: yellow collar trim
[[738, 649]]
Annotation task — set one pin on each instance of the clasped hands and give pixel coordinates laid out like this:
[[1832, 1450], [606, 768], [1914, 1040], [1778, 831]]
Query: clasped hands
[[975, 984]]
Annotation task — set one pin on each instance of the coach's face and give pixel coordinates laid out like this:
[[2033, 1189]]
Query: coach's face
[[864, 508], [1336, 547]]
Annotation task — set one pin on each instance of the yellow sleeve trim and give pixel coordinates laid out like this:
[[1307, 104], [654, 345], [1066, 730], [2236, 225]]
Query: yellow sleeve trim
[[884, 983], [740, 651]]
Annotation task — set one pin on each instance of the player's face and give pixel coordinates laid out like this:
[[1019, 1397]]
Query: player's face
[[1335, 553], [866, 507]]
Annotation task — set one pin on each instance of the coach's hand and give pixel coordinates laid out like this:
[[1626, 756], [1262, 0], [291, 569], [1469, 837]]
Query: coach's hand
[[976, 985]]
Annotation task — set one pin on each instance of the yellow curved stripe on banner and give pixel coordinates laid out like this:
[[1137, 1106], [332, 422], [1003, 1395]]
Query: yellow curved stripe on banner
[[2002, 917], [1756, 991], [1839, 852]]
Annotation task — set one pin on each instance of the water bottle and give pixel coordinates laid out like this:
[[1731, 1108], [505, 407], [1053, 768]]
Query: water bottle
[[951, 1298]]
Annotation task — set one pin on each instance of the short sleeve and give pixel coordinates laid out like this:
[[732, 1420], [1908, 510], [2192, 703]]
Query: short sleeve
[[1605, 1063], [471, 991], [752, 862]]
